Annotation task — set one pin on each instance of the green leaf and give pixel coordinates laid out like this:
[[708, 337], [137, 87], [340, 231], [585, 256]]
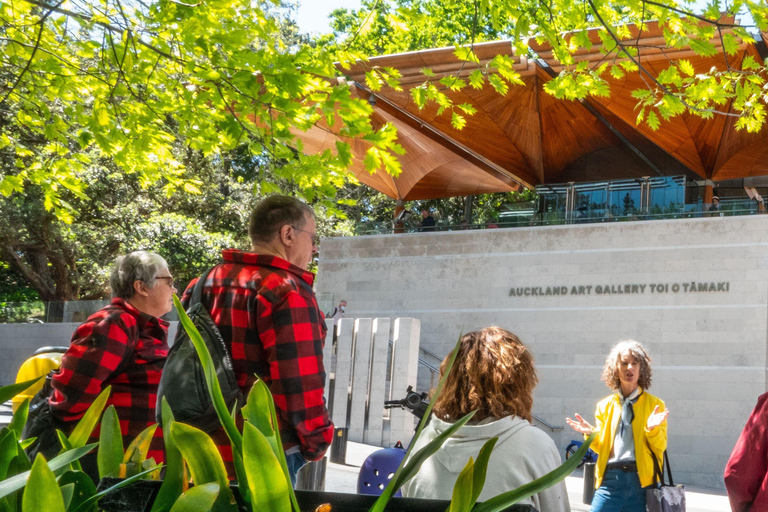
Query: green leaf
[[686, 67], [110, 452], [267, 484], [174, 481], [42, 492], [19, 418], [424, 71], [8, 392], [461, 500], [8, 450], [466, 54], [200, 498], [17, 482], [458, 121], [82, 431], [476, 79], [481, 469], [653, 120], [507, 499], [749, 63], [204, 461], [82, 490], [136, 453], [256, 411], [270, 406]]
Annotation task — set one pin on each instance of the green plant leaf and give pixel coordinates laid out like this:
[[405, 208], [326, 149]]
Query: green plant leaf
[[200, 498], [461, 499], [136, 453], [17, 482], [8, 392], [204, 461], [267, 484], [507, 499], [174, 481], [87, 423], [82, 489], [65, 447], [270, 405], [19, 418], [256, 411], [481, 469], [110, 452], [8, 450], [42, 492]]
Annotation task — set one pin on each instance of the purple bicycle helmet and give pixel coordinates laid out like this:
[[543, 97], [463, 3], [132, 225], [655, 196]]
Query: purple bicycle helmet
[[378, 469]]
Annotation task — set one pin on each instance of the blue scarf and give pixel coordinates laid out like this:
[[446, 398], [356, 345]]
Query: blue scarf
[[627, 411]]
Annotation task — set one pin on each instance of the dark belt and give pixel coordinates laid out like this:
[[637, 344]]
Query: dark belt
[[629, 467]]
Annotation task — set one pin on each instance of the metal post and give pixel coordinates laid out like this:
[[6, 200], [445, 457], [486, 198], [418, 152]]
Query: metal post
[[339, 447], [312, 476], [589, 482]]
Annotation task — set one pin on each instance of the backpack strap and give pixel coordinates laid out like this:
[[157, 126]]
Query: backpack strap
[[197, 291]]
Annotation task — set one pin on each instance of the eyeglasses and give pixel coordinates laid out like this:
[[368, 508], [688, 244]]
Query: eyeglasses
[[166, 278], [315, 236]]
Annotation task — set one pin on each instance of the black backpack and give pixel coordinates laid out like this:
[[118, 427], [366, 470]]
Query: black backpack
[[183, 380]]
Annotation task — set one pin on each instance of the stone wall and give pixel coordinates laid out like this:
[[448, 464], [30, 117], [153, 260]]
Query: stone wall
[[708, 347]]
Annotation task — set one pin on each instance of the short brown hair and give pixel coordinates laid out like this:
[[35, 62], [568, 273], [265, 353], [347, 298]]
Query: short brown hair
[[273, 213], [611, 367], [493, 374]]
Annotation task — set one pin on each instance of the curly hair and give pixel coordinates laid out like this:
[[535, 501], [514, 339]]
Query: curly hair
[[493, 374], [611, 367]]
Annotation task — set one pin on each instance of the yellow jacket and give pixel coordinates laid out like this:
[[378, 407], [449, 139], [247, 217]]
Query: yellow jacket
[[608, 414]]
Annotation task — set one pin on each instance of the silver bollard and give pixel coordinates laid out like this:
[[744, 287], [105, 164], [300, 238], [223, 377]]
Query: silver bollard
[[312, 476], [589, 482]]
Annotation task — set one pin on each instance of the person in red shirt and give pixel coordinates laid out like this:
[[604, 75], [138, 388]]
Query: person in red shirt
[[123, 345], [265, 309], [746, 474]]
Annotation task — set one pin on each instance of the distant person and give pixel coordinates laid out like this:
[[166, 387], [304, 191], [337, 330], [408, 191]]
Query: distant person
[[265, 308], [338, 312], [427, 221], [625, 463], [746, 474], [714, 208], [123, 345], [493, 374]]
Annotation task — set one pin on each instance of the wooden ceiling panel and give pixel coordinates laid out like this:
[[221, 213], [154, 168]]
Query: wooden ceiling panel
[[529, 137]]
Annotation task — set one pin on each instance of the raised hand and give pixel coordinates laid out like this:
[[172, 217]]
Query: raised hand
[[580, 425], [656, 418]]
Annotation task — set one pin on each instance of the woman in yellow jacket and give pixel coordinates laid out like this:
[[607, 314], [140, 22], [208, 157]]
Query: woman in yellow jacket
[[631, 427]]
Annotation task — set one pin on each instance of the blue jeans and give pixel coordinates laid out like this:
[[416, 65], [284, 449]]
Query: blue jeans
[[295, 462], [620, 491]]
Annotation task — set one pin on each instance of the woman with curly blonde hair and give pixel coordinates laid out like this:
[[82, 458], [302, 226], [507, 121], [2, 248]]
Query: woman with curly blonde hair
[[494, 375], [631, 427]]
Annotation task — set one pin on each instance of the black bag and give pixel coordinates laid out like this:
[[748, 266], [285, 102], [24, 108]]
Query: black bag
[[667, 497], [42, 424], [183, 380]]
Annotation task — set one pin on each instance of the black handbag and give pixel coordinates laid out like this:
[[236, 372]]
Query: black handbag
[[183, 381], [42, 424], [665, 497]]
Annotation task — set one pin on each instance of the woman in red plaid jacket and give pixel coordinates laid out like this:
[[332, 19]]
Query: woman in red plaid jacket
[[123, 345]]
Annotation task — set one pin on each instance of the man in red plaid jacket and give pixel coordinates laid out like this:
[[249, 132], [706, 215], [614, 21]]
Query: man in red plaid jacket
[[264, 306]]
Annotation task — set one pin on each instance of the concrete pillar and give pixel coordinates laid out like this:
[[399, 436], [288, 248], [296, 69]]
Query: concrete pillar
[[343, 372], [360, 377], [379, 351], [405, 361]]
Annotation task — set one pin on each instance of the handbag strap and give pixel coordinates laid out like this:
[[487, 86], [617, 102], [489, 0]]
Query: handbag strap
[[658, 473]]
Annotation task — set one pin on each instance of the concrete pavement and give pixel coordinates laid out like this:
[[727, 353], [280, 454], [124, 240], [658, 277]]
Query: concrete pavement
[[343, 478]]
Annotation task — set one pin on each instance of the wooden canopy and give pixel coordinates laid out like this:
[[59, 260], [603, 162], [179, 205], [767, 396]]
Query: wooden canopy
[[528, 137]]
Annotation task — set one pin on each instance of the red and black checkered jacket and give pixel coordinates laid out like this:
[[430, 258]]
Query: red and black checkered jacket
[[117, 346], [268, 316]]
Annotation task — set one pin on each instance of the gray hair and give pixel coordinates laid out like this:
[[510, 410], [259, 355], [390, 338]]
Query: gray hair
[[137, 266], [611, 368], [273, 213]]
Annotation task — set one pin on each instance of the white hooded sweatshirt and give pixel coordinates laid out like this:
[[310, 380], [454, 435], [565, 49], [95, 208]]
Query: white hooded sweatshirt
[[522, 454]]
